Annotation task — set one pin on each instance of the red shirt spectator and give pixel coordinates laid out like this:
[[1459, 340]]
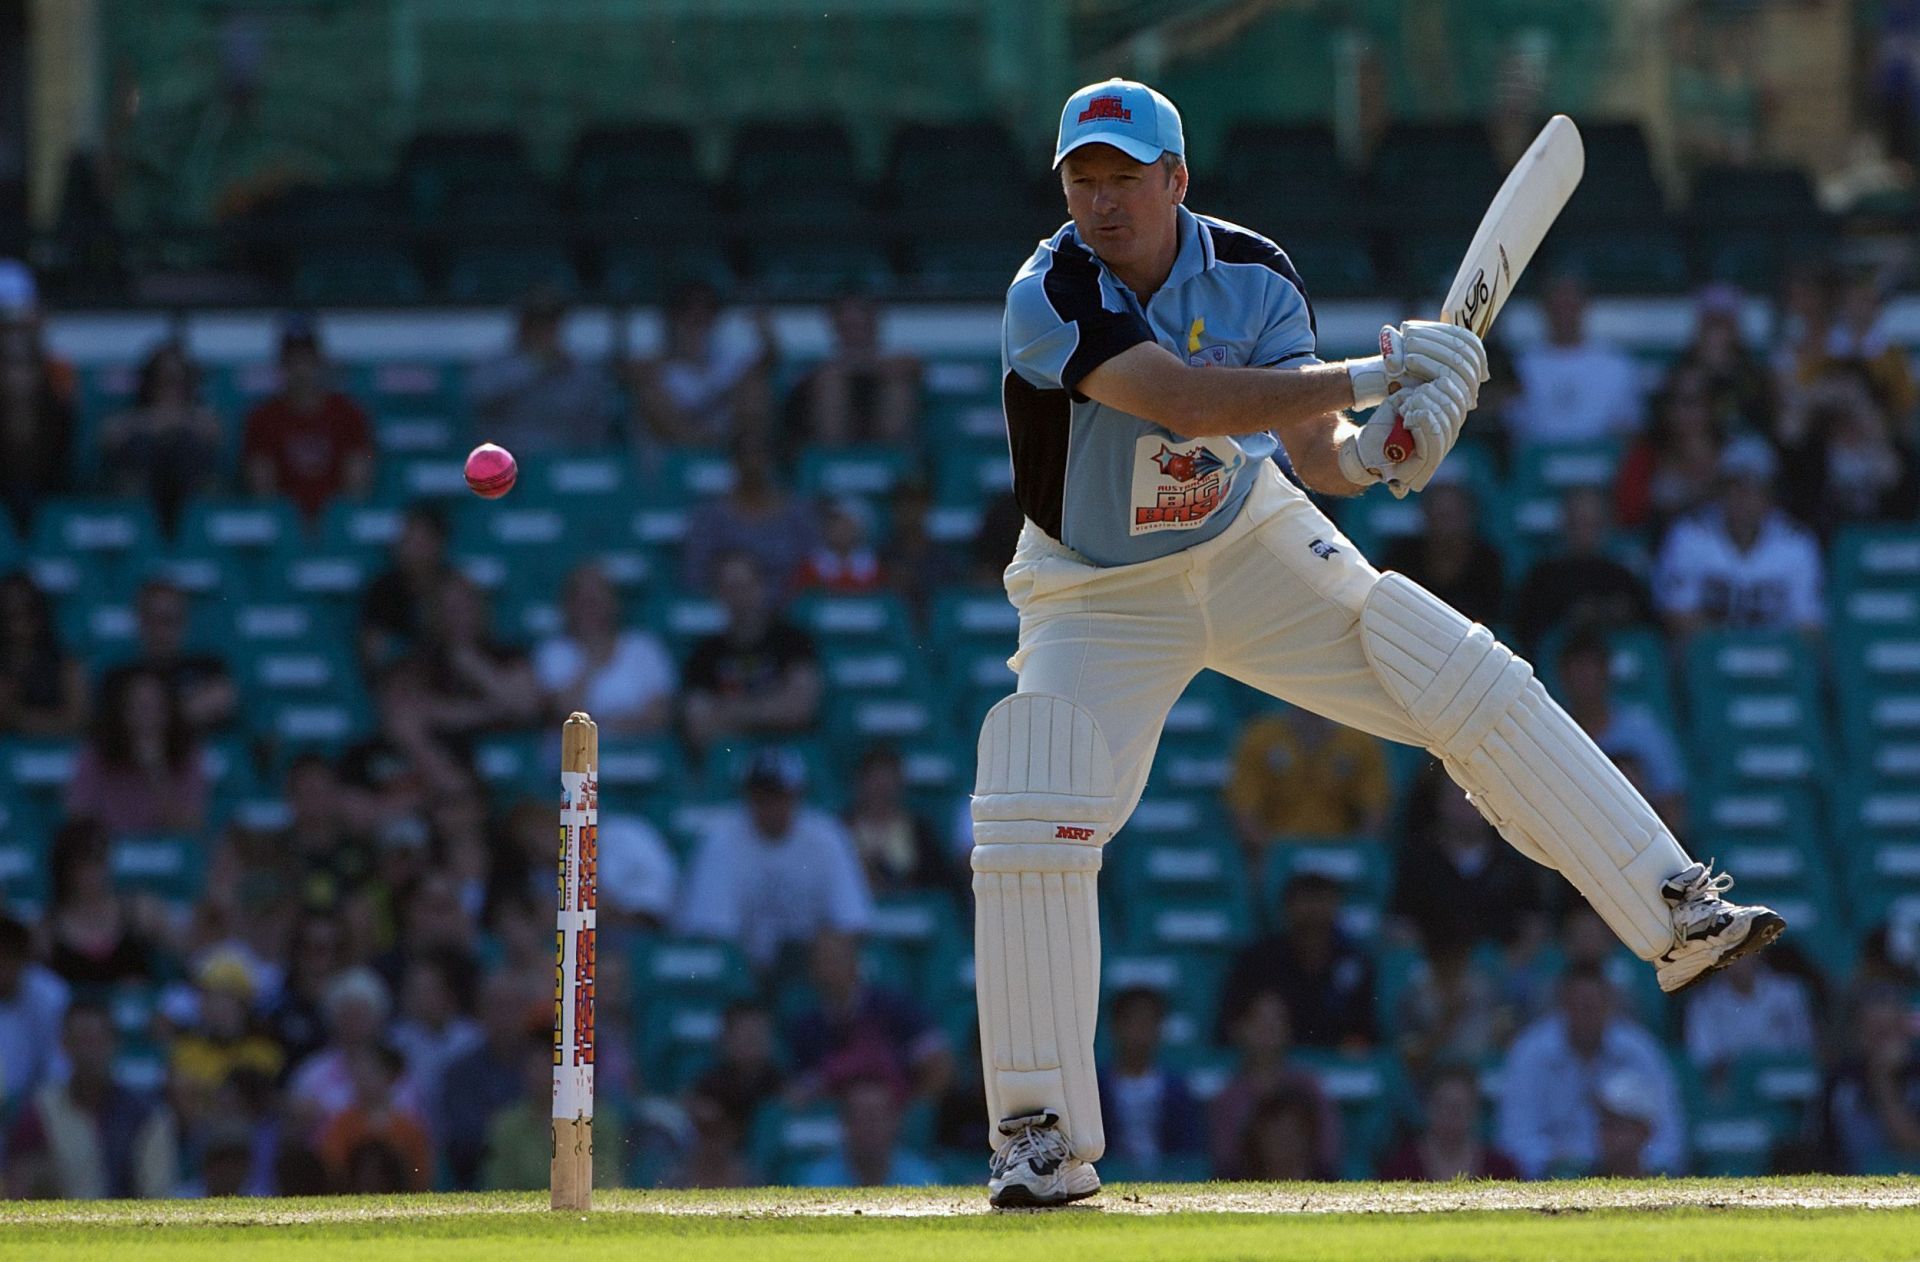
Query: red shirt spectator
[[307, 442]]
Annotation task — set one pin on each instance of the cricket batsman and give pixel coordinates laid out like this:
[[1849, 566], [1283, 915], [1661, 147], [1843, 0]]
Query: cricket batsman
[[1154, 363]]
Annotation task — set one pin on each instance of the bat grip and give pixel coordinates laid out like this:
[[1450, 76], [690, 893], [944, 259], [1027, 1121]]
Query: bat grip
[[1399, 444]]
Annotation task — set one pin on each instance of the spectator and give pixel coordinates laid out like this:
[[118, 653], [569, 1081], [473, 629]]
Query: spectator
[[475, 683], [870, 1154], [36, 430], [100, 937], [712, 1158], [1739, 387], [1872, 1112], [378, 1141], [1454, 878], [1324, 976], [745, 1075], [859, 1030], [844, 560], [43, 689], [620, 675], [759, 676], [1742, 562], [1628, 1108], [709, 386], [329, 1081], [1449, 555], [1282, 1140], [88, 1137], [297, 1018], [1668, 472], [916, 563], [1856, 334], [756, 516], [401, 769], [520, 1135], [1150, 1111], [859, 393], [1450, 1010], [1623, 729], [433, 1030], [899, 848], [1296, 774], [321, 856], [200, 681], [1586, 943], [32, 1002], [1749, 1009], [1842, 460], [538, 399], [639, 876], [394, 608], [1263, 1036], [223, 1040], [141, 771], [166, 448], [1580, 584], [492, 1076], [773, 873], [307, 442], [1449, 1146], [1575, 388], [1549, 1115]]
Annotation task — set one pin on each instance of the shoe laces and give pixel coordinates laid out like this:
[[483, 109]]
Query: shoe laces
[[1708, 886], [1032, 1143]]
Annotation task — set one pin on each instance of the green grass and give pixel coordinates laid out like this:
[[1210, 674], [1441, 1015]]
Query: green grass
[[1710, 1220]]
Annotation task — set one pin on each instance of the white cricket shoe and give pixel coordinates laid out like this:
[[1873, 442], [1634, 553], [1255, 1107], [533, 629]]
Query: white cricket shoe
[[1709, 932], [1036, 1169]]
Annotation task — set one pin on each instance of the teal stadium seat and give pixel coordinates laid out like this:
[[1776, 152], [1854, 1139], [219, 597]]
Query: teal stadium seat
[[414, 404], [252, 538], [171, 867], [110, 543], [852, 472], [24, 837], [1754, 698]]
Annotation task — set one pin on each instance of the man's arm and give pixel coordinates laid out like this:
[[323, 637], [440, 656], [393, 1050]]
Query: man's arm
[[1301, 405], [1148, 381]]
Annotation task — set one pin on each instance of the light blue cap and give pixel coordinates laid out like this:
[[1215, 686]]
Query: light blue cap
[[1130, 116]]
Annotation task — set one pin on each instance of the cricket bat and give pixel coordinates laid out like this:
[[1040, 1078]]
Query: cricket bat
[[1516, 222]]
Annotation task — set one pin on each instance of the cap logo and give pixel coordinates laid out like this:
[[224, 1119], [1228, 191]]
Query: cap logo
[[1112, 107]]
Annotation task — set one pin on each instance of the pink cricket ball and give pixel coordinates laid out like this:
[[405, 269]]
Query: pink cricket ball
[[491, 471]]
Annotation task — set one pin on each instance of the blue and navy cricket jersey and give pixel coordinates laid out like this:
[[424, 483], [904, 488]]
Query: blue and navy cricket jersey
[[1113, 487]]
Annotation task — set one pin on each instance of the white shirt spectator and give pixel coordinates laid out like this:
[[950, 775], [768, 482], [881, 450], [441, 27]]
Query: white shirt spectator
[[639, 673], [427, 1053], [1774, 585], [1583, 393], [1635, 732], [1548, 1120], [1772, 1018], [638, 874], [764, 893]]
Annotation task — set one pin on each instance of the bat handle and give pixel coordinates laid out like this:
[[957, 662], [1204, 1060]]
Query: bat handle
[[1399, 444]]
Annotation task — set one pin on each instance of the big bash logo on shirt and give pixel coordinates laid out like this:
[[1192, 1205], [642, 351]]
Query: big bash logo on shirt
[[1176, 486]]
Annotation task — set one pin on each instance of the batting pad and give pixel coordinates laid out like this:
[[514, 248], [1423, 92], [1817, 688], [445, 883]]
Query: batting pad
[[1528, 767], [1043, 806]]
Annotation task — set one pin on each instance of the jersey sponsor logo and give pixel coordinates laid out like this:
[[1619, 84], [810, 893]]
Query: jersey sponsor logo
[[1177, 486], [1066, 832], [1106, 107], [1322, 549]]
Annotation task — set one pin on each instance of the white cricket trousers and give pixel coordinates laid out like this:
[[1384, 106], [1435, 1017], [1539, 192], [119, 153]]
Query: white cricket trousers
[[1273, 601]]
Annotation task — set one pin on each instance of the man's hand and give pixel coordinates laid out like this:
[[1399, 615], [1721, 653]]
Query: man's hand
[[1432, 413], [1419, 351]]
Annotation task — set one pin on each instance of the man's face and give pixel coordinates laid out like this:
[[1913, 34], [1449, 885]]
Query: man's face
[[739, 588], [1124, 209], [89, 1044], [1566, 311], [772, 811], [1746, 501], [1585, 676], [871, 1118], [1588, 1005]]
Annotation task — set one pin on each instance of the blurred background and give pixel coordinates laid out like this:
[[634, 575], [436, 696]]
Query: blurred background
[[280, 699]]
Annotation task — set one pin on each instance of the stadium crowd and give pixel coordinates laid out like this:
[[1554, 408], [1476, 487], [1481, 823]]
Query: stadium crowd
[[355, 994]]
